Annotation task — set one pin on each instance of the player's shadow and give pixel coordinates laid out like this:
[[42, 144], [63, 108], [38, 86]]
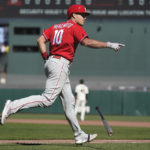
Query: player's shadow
[[66, 145]]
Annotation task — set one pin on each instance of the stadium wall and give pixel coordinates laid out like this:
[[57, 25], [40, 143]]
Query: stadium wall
[[110, 102], [132, 60]]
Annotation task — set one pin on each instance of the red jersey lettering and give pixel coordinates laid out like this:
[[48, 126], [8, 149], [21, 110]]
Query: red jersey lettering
[[64, 38]]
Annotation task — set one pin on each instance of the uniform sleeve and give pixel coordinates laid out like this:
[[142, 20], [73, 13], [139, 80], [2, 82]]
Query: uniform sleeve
[[46, 33], [76, 89], [80, 34]]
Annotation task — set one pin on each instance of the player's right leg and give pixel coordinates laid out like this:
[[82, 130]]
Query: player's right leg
[[56, 77], [12, 107], [5, 112]]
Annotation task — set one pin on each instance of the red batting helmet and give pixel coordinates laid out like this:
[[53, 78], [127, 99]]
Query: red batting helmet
[[76, 9]]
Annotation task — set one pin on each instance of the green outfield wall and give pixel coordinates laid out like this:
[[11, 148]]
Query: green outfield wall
[[132, 60], [110, 102]]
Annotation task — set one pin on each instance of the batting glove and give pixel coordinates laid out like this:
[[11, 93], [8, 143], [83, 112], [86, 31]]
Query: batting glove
[[115, 46]]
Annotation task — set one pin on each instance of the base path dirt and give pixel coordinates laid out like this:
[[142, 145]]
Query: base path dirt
[[34, 142], [92, 122]]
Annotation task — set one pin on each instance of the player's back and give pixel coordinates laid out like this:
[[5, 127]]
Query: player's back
[[62, 40], [81, 91]]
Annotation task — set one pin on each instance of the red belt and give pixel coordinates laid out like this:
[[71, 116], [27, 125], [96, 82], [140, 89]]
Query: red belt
[[56, 56]]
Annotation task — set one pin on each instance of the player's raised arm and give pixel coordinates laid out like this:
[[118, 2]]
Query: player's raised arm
[[41, 42], [99, 44]]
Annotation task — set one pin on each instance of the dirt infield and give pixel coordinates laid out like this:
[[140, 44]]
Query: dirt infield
[[94, 123], [68, 141]]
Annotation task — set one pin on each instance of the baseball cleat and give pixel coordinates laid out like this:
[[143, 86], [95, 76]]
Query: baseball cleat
[[85, 138], [5, 112]]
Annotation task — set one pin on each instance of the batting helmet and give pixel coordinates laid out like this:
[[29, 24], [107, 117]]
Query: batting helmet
[[76, 9]]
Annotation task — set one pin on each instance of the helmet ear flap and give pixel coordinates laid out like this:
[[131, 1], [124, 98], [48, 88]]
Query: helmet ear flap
[[70, 16]]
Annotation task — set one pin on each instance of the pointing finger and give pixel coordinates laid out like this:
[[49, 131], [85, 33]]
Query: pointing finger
[[121, 44]]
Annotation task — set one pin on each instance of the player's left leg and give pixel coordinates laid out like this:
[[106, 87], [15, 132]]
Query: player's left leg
[[68, 102]]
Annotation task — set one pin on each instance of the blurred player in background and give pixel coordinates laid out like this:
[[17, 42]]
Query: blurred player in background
[[4, 49], [63, 40], [81, 97]]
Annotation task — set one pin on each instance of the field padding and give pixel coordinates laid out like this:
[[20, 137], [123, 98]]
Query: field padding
[[68, 141]]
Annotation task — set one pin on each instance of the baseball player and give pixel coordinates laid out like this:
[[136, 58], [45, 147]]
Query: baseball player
[[63, 40], [4, 50], [81, 93]]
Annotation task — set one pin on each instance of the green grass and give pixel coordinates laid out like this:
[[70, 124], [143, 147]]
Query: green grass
[[107, 146], [14, 131], [87, 117], [20, 131]]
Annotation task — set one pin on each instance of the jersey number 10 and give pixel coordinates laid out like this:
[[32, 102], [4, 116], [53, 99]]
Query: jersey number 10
[[58, 37]]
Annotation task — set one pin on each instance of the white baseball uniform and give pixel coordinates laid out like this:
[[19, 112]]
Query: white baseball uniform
[[81, 91]]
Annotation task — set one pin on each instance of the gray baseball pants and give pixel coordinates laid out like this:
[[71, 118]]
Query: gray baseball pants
[[57, 84]]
